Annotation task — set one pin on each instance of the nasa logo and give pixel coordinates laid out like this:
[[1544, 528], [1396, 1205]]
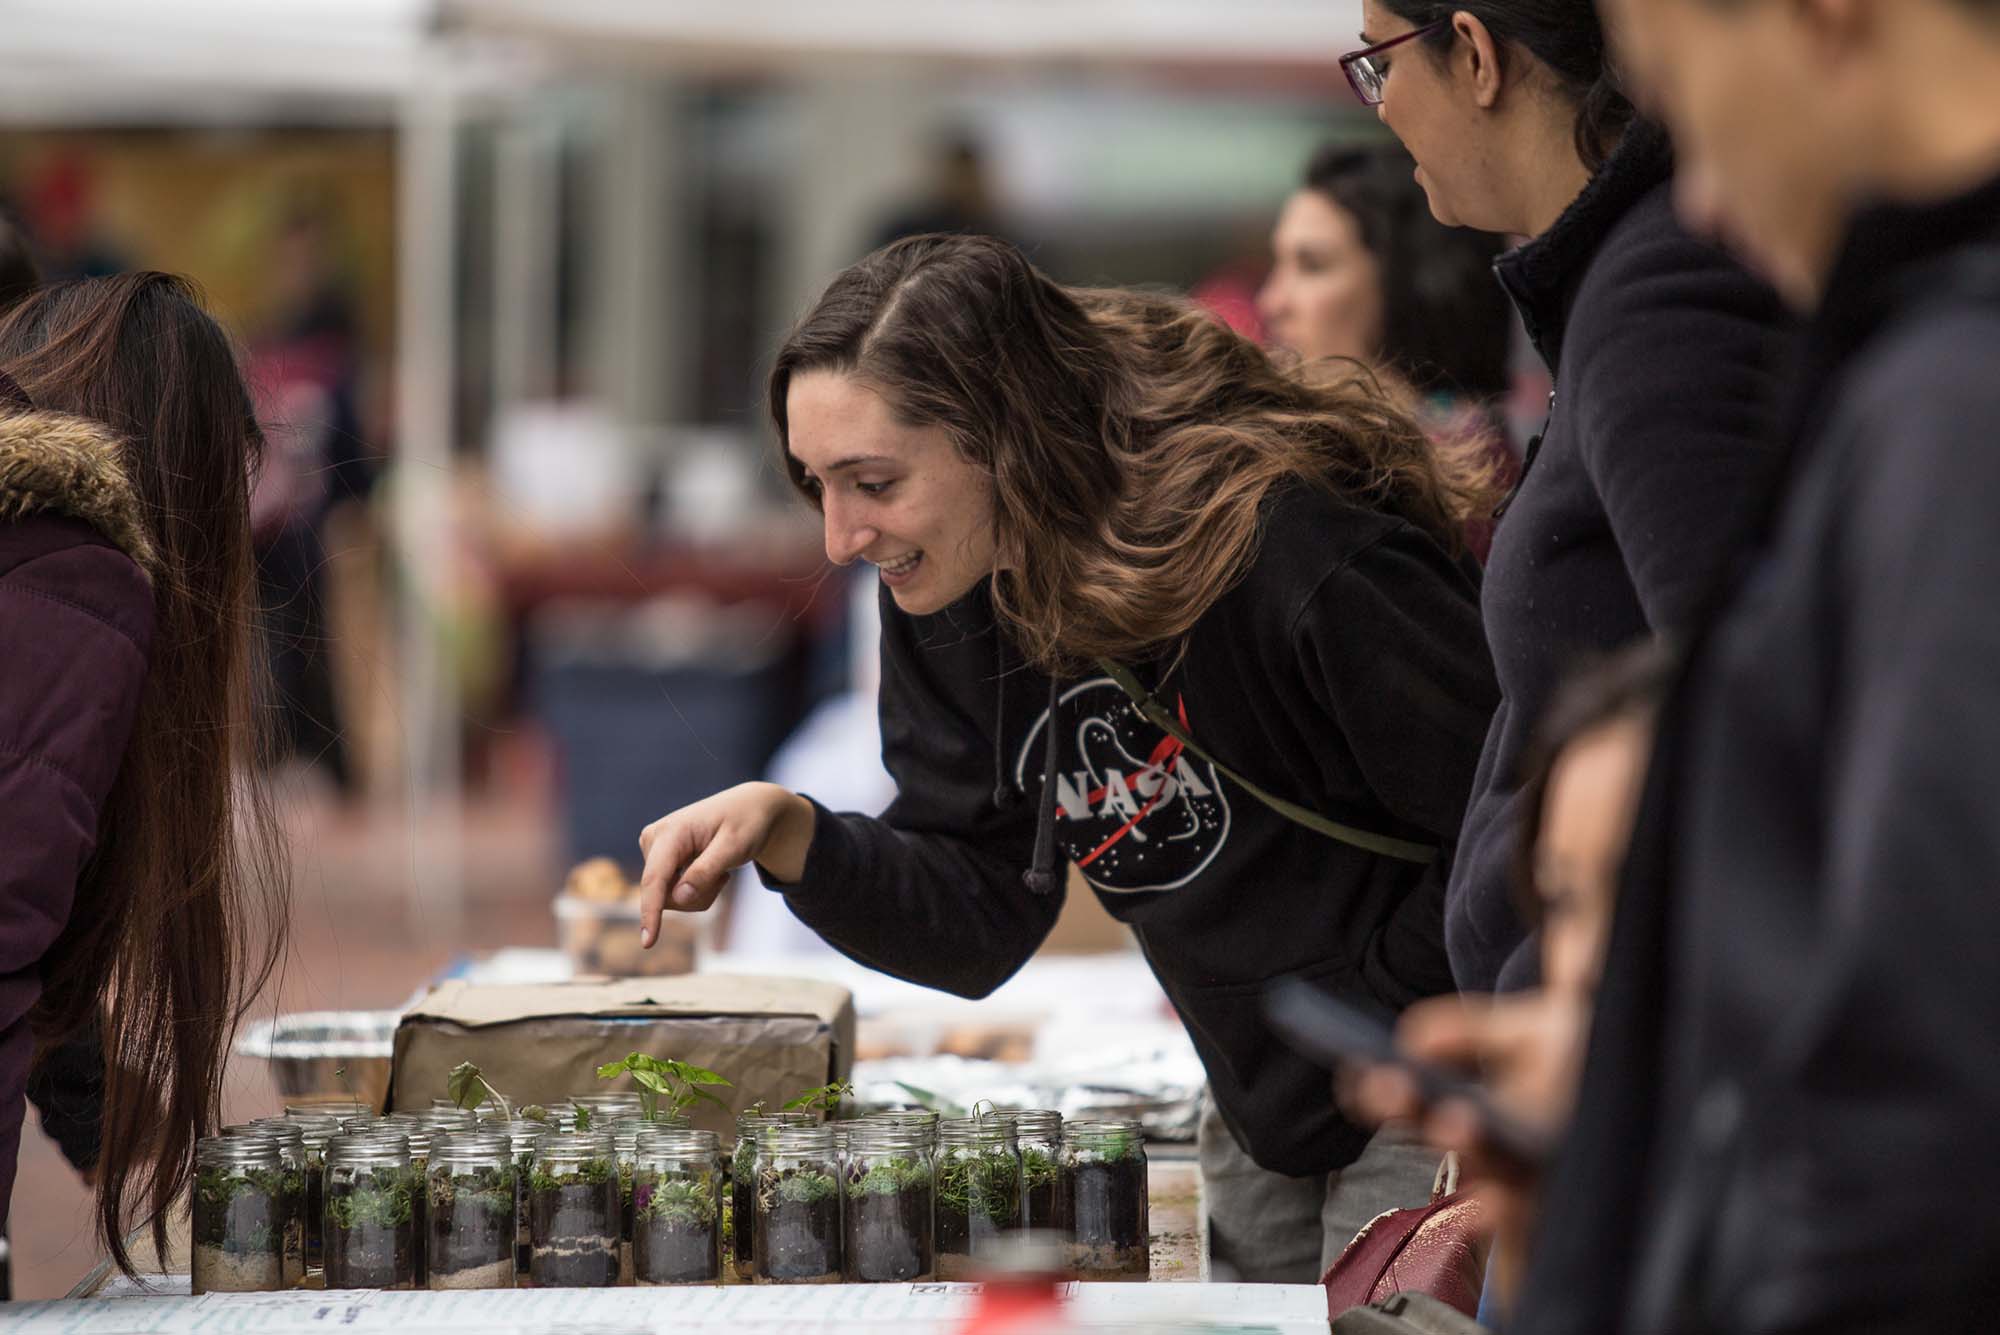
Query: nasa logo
[[1134, 811]]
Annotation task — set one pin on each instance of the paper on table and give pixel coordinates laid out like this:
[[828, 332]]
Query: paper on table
[[842, 1309]]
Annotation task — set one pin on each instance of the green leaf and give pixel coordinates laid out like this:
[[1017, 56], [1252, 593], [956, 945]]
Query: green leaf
[[652, 1080]]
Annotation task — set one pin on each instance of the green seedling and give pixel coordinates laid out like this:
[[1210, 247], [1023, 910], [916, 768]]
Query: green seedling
[[681, 1084], [467, 1087], [825, 1099]]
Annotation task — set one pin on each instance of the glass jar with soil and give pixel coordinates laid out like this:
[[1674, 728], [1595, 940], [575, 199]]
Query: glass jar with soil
[[1105, 1194], [292, 1152], [339, 1109], [239, 1219], [740, 1226], [522, 1138], [597, 1111], [1039, 1131], [315, 1131], [677, 1208], [370, 1226], [889, 1170], [470, 1213], [978, 1191], [420, 1135], [796, 1236], [573, 1212]]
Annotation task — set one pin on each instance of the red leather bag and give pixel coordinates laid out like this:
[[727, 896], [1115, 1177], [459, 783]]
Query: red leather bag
[[1437, 1249]]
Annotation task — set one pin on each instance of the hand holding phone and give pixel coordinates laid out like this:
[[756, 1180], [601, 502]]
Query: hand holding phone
[[1338, 1033]]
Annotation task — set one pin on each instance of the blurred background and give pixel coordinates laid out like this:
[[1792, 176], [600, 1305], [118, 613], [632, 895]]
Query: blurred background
[[507, 275]]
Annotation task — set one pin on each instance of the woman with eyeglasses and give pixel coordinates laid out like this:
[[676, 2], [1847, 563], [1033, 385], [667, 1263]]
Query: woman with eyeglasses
[[1664, 352]]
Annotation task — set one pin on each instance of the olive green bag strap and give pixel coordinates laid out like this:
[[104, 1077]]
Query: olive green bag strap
[[1401, 849]]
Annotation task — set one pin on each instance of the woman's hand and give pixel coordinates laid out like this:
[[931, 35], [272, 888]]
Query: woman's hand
[[691, 852]]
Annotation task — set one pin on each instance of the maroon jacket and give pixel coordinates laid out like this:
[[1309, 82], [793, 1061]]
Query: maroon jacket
[[76, 617]]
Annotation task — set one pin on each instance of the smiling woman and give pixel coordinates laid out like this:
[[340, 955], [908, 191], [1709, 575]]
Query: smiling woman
[[1154, 607]]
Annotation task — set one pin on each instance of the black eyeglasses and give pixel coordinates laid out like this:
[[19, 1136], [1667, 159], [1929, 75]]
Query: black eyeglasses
[[1365, 73]]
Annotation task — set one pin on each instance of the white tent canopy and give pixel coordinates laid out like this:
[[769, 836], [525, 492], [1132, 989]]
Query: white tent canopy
[[790, 33]]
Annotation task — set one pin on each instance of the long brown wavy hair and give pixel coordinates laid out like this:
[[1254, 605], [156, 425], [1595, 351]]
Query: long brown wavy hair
[[179, 917], [1132, 438]]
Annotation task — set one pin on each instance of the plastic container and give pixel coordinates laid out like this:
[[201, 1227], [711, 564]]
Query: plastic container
[[239, 1215], [677, 1208], [797, 1234], [573, 1212], [889, 1171]]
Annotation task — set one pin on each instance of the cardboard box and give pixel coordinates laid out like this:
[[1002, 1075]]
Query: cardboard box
[[541, 1043]]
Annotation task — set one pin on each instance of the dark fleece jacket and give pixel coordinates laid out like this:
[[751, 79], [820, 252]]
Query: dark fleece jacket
[[1666, 355]]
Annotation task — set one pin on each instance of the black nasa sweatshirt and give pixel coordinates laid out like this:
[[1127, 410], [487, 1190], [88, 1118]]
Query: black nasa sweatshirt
[[1346, 672]]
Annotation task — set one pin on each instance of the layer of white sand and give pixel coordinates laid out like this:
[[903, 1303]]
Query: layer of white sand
[[493, 1275], [217, 1271]]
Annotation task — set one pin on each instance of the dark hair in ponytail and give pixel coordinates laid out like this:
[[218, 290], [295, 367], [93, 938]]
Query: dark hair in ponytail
[[1565, 36]]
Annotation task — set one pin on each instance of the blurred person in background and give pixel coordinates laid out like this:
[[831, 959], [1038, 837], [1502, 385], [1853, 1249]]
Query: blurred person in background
[[135, 861], [1642, 488], [957, 196], [304, 373], [1786, 1121], [1078, 500], [1360, 269]]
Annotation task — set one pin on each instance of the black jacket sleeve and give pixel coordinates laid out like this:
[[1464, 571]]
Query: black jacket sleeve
[[1394, 651], [931, 891], [1676, 360]]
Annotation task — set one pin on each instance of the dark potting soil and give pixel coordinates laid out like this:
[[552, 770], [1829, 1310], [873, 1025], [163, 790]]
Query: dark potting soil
[[743, 1222], [371, 1256], [674, 1252], [470, 1231], [798, 1230], [889, 1237], [315, 1202], [1109, 1219], [574, 1230]]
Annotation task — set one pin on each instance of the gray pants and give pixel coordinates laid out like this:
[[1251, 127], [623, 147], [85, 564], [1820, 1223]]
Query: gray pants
[[1266, 1228]]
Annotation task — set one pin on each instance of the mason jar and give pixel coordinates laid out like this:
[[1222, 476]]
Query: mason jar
[[471, 1212], [315, 1130], [522, 1138], [239, 1215], [677, 1207], [370, 1223], [573, 1212], [796, 1239], [742, 1172], [606, 1108], [1106, 1198], [292, 1151], [889, 1175], [339, 1110], [1039, 1131], [978, 1191]]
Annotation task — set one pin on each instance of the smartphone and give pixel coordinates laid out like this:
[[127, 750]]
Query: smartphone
[[1339, 1033]]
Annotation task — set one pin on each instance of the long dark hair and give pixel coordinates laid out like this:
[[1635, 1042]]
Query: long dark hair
[[1446, 324], [1132, 439], [1564, 35], [179, 916]]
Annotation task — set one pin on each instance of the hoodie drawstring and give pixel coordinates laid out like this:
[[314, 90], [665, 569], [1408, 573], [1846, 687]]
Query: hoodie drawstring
[[1041, 876]]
